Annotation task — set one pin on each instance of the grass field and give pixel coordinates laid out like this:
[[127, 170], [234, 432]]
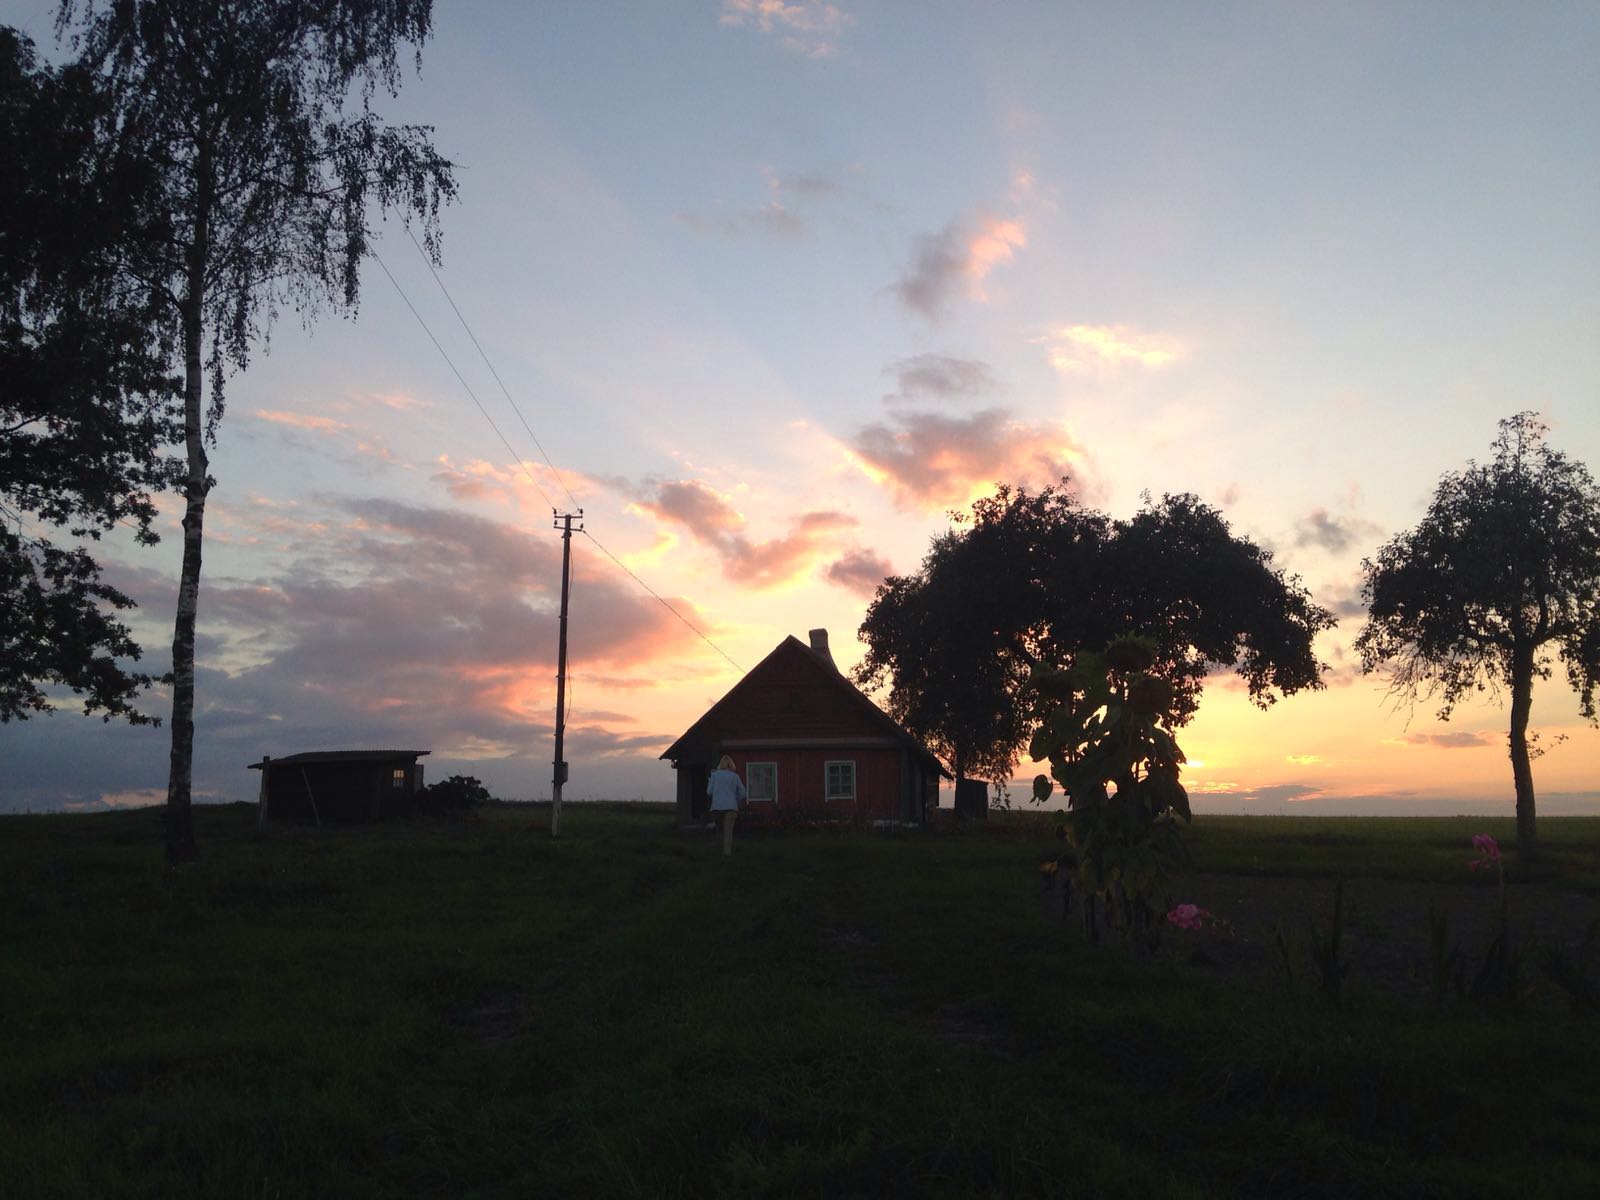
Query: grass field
[[474, 1009]]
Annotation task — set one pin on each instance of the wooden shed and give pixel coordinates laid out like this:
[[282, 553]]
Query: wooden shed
[[808, 743], [339, 787]]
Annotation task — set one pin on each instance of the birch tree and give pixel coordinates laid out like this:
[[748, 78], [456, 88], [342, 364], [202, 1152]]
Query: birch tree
[[1504, 565], [259, 114]]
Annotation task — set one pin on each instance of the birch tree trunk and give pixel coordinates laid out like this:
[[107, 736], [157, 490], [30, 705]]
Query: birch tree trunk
[[181, 846]]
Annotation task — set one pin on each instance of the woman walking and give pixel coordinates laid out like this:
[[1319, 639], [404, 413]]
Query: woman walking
[[727, 792]]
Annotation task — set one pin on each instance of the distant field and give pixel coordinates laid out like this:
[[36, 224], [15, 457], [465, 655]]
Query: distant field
[[475, 1009]]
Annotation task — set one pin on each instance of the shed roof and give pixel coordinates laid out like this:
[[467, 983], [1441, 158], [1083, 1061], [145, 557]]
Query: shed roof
[[793, 650], [316, 757]]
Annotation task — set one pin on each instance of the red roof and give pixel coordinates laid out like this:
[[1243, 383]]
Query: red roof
[[794, 695]]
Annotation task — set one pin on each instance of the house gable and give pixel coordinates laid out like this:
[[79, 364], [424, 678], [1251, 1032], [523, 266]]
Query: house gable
[[791, 697]]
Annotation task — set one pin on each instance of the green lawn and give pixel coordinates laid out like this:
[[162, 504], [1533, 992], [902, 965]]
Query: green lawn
[[475, 1009]]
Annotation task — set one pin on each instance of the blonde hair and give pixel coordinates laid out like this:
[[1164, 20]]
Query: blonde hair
[[726, 764]]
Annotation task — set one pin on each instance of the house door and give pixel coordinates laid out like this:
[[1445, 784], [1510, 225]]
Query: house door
[[699, 802]]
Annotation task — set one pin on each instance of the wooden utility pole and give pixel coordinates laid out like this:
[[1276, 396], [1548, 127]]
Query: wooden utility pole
[[563, 522]]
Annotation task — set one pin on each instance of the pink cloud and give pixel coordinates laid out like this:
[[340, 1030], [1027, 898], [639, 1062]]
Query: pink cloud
[[531, 486], [955, 262], [703, 511], [305, 421], [713, 521], [930, 460], [859, 571], [808, 27], [399, 401]]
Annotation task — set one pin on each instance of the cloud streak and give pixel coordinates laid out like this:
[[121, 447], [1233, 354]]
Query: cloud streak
[[1322, 530], [1458, 740], [771, 219]]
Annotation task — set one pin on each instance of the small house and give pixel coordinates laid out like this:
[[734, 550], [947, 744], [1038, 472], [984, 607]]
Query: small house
[[808, 743], [339, 787]]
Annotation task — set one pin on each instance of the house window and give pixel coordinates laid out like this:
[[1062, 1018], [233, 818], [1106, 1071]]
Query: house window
[[839, 781], [761, 781], [399, 777]]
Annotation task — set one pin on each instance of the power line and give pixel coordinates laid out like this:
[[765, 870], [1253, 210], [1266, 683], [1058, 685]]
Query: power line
[[509, 448], [512, 450], [504, 391]]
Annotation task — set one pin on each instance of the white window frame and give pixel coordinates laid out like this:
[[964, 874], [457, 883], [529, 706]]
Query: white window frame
[[398, 778], [750, 789], [827, 773]]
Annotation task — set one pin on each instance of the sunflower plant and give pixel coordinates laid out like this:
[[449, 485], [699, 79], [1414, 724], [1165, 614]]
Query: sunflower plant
[[1106, 731]]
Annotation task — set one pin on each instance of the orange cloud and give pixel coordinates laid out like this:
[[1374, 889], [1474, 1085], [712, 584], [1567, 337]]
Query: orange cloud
[[1102, 349]]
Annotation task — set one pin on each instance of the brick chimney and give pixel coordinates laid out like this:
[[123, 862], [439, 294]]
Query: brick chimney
[[819, 647]]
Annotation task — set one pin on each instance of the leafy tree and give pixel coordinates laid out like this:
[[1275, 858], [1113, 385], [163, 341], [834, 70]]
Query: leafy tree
[[86, 405], [944, 684], [1505, 563], [271, 184], [1037, 578]]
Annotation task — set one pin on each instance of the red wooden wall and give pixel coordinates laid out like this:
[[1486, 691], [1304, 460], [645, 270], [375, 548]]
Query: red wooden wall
[[802, 784]]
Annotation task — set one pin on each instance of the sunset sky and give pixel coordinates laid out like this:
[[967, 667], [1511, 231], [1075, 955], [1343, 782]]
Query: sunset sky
[[779, 285]]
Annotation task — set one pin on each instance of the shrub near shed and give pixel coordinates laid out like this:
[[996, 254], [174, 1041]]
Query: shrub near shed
[[457, 796]]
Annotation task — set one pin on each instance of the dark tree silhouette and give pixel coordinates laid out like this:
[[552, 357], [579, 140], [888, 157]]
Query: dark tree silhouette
[[945, 683], [271, 184], [1035, 579], [1505, 562], [85, 403]]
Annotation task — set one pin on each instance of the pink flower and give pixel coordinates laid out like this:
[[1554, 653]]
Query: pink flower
[[1488, 849], [1187, 916]]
